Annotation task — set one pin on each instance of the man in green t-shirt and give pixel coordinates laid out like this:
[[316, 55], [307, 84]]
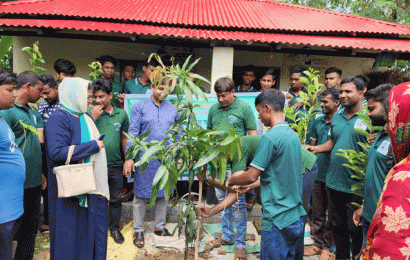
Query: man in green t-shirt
[[29, 87], [278, 162], [231, 110], [342, 135], [319, 127], [248, 78], [112, 122], [141, 85], [108, 68], [380, 159]]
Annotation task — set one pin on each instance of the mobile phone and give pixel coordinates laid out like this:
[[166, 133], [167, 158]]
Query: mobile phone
[[101, 137]]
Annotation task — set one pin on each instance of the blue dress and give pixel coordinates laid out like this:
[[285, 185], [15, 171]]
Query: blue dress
[[75, 232], [145, 116]]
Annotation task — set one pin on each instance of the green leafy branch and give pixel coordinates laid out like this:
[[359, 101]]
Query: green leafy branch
[[357, 160], [35, 57], [188, 148], [96, 70], [302, 117], [30, 128]]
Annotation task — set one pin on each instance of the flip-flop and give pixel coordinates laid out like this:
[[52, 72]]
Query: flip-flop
[[217, 243], [241, 254], [138, 237]]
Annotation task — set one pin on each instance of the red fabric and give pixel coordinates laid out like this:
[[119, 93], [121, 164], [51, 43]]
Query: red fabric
[[389, 233]]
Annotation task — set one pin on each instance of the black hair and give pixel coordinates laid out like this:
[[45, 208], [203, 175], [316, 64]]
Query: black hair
[[64, 66], [365, 79], [27, 77], [297, 69], [270, 72], [153, 63], [333, 92], [332, 70], [127, 64], [48, 80], [358, 82], [273, 98], [7, 77], [224, 84], [103, 85], [106, 58], [380, 94], [249, 68]]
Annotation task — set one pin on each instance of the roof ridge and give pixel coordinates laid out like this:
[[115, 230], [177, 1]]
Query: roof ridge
[[20, 2], [279, 2]]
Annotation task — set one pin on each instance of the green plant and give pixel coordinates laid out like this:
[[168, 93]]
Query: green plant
[[6, 52], [35, 57], [28, 128], [357, 160], [300, 119], [191, 148], [96, 70]]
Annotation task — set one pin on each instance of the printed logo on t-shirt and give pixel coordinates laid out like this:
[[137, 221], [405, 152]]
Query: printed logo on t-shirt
[[231, 119], [360, 125], [117, 126], [35, 119], [12, 143], [384, 147]]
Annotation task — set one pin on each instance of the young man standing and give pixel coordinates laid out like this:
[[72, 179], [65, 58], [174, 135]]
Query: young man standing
[[112, 122], [12, 170], [155, 114], [380, 159], [141, 85], [29, 87], [108, 68], [248, 78], [64, 68], [342, 135], [46, 108], [278, 162], [319, 134], [333, 77], [231, 110]]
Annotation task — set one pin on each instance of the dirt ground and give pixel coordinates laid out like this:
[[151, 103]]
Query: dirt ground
[[169, 255]]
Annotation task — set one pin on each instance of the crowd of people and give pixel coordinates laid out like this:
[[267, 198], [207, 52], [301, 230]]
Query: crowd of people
[[296, 184]]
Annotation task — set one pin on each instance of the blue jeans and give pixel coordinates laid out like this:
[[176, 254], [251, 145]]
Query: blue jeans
[[365, 226], [238, 213], [281, 244]]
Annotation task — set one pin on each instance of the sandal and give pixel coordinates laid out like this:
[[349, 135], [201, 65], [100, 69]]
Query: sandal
[[312, 250], [241, 254], [162, 233], [217, 243], [138, 237]]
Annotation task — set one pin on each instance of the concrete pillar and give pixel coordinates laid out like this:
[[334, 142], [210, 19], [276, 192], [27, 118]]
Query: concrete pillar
[[222, 64]]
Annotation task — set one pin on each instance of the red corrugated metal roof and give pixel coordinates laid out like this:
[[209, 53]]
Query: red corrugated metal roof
[[391, 45], [254, 15]]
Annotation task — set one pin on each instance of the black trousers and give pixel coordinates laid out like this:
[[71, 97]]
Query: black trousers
[[346, 235], [116, 185], [26, 229]]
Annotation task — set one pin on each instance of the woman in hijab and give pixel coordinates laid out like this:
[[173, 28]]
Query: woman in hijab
[[389, 233], [78, 225]]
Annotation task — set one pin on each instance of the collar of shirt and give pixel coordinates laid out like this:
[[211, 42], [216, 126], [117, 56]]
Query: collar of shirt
[[233, 105], [241, 90], [138, 82], [280, 124], [25, 108], [342, 112], [116, 110]]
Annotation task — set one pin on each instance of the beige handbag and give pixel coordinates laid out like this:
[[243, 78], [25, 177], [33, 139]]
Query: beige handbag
[[74, 179]]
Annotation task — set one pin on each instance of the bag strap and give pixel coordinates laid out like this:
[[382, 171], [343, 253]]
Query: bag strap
[[70, 154]]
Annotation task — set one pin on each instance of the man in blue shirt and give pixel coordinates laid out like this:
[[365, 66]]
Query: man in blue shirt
[[155, 114], [380, 159], [278, 162], [12, 170]]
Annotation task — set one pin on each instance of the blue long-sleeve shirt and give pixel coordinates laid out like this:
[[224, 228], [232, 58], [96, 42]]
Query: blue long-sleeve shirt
[[145, 116]]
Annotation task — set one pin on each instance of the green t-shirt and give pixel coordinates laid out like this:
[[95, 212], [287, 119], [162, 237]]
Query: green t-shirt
[[239, 89], [280, 160], [134, 86], [249, 146], [117, 88], [239, 113], [344, 136], [27, 141], [380, 154], [320, 132], [112, 125], [291, 104]]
